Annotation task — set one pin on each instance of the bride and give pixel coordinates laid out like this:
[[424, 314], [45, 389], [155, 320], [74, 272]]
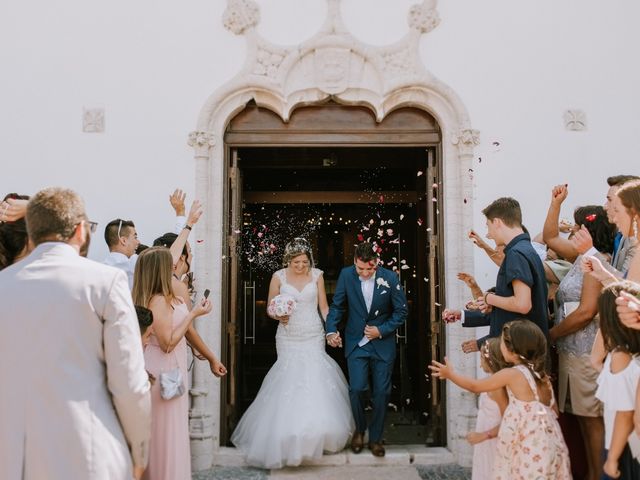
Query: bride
[[302, 408]]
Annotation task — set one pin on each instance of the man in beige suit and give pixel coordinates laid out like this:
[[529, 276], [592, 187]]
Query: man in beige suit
[[74, 394]]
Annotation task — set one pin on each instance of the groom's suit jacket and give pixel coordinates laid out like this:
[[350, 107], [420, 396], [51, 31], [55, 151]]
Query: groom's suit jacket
[[388, 310], [74, 394]]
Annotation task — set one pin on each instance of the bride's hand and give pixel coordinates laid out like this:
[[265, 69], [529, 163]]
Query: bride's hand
[[283, 320]]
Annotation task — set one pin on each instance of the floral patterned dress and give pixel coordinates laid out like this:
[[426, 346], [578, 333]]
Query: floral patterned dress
[[530, 444]]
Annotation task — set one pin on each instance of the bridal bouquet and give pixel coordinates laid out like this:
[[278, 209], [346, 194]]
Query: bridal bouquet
[[281, 306]]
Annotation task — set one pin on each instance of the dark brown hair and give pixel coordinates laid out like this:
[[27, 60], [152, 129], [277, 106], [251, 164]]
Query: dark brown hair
[[492, 355], [111, 233], [506, 209], [526, 340], [619, 180], [615, 334], [365, 252]]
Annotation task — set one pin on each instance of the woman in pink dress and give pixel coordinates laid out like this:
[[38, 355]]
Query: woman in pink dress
[[169, 455]]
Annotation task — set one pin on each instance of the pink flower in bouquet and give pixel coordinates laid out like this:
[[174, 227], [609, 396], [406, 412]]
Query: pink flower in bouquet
[[281, 306]]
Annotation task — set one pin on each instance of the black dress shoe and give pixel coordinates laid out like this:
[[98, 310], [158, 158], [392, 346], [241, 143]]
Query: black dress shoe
[[377, 449], [357, 442]]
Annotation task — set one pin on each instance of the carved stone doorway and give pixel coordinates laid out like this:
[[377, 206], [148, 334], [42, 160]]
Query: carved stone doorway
[[336, 176]]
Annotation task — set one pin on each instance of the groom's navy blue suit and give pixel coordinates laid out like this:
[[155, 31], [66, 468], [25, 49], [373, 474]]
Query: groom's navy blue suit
[[388, 311]]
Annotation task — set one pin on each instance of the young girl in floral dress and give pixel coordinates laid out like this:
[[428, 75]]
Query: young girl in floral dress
[[530, 444], [491, 407]]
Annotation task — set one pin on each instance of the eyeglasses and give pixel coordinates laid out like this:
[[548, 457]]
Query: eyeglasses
[[93, 226]]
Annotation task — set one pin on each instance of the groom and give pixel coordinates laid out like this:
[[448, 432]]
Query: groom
[[377, 307]]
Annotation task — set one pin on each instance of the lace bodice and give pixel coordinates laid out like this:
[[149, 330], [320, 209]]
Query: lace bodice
[[305, 320], [570, 290]]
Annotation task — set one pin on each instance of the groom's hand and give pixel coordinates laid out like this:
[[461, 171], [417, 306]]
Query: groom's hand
[[372, 332], [334, 340]]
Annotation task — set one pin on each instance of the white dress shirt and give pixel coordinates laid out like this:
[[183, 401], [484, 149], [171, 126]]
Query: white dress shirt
[[124, 263], [367, 287]]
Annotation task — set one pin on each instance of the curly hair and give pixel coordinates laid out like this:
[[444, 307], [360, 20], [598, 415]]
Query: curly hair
[[595, 220]]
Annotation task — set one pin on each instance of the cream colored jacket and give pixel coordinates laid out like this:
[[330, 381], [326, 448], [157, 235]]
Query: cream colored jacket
[[74, 394]]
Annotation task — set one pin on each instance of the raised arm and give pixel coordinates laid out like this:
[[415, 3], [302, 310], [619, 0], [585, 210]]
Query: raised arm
[[551, 231], [496, 255], [194, 215]]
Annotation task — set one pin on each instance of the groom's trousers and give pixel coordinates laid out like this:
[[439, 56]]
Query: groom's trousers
[[360, 362]]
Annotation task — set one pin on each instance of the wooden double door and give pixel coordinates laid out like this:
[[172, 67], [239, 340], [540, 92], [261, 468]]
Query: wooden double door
[[334, 196]]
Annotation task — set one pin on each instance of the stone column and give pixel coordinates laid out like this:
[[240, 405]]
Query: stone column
[[460, 210], [202, 425]]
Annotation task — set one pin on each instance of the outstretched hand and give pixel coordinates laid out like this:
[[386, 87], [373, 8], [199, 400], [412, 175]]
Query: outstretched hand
[[194, 213], [177, 202], [451, 316], [441, 370]]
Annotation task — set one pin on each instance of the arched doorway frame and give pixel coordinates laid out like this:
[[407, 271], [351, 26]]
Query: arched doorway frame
[[333, 65]]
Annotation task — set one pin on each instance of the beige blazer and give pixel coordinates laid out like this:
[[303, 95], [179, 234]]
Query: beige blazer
[[74, 394]]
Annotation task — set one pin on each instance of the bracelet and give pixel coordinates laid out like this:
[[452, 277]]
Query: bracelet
[[485, 298], [188, 227]]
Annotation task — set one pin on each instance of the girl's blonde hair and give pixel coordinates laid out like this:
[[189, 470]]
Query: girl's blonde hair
[[152, 276], [492, 355], [526, 340]]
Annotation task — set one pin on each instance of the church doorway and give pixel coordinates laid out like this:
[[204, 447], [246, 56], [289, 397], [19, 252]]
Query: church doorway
[[335, 176]]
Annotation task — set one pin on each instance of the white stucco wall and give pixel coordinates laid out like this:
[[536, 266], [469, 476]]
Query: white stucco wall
[[516, 65]]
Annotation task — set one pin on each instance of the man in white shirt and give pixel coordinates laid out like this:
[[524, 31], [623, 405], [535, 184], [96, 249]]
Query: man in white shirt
[[122, 240]]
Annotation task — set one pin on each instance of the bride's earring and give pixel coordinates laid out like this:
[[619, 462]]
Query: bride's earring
[[635, 227]]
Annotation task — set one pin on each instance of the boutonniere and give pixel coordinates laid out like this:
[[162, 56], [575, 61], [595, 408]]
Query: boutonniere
[[381, 282]]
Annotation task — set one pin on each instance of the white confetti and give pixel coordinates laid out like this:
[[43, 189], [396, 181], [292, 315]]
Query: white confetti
[[420, 172], [401, 217], [405, 267]]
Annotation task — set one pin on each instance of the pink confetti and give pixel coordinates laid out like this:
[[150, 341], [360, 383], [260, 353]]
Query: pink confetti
[[381, 198], [199, 241], [260, 234], [360, 237], [435, 185], [390, 231], [434, 199]]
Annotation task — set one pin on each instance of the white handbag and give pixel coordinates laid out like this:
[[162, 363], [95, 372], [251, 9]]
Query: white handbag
[[171, 382]]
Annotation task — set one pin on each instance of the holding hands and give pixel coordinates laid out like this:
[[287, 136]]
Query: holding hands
[[334, 340], [451, 316]]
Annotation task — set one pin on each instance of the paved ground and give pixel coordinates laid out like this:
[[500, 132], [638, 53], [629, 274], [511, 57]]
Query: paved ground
[[346, 472]]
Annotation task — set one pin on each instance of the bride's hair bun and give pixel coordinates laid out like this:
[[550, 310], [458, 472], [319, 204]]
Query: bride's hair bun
[[298, 246]]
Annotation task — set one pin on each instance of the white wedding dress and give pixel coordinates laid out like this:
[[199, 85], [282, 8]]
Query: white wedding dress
[[302, 408]]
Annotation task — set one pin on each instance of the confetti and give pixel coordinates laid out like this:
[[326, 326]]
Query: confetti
[[200, 241], [401, 217], [420, 172], [405, 267], [437, 304], [426, 279], [420, 221], [465, 200], [434, 199], [435, 185], [390, 231]]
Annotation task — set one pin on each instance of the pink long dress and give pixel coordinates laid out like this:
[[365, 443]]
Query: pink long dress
[[169, 453]]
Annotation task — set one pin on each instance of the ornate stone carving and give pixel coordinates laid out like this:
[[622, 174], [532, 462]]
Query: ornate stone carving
[[268, 62], [424, 17], [240, 16], [201, 139], [575, 120], [467, 139], [399, 62], [332, 69], [93, 120]]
